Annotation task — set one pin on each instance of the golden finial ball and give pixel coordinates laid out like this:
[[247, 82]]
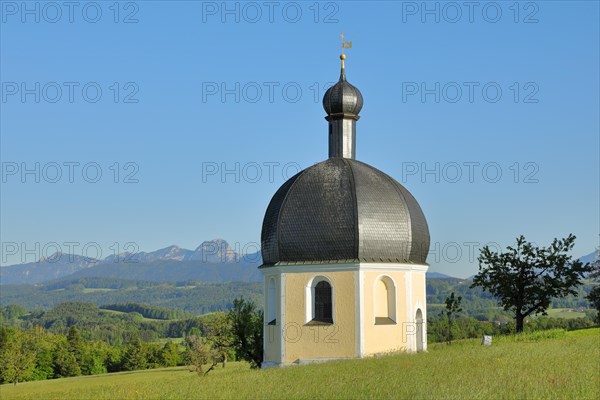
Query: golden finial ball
[[343, 57]]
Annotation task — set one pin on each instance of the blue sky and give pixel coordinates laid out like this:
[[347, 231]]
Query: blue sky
[[190, 89]]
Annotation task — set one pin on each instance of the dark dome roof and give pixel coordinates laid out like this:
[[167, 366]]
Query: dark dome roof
[[342, 98], [343, 210]]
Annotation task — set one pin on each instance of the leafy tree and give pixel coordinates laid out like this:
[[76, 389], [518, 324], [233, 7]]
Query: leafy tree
[[220, 332], [95, 358], [76, 344], [44, 342], [594, 295], [114, 359], [247, 327], [527, 277], [153, 355], [135, 356], [199, 351], [594, 298], [44, 367], [17, 357], [169, 354], [452, 308], [65, 363]]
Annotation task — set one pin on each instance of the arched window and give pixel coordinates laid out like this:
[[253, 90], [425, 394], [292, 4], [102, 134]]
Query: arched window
[[323, 304], [271, 302], [384, 301], [319, 301]]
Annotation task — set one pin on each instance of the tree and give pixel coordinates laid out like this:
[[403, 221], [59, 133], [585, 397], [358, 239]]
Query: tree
[[200, 352], [169, 354], [452, 308], [65, 363], [76, 344], [220, 332], [17, 357], [526, 277], [594, 295], [95, 358], [135, 356], [247, 327], [43, 346]]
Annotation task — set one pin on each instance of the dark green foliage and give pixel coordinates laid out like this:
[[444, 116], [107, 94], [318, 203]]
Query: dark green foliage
[[594, 299], [169, 355], [135, 357], [594, 294], [526, 277], [65, 363], [201, 298], [247, 327], [75, 344]]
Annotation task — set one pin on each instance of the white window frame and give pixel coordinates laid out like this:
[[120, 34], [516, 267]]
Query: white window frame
[[309, 297]]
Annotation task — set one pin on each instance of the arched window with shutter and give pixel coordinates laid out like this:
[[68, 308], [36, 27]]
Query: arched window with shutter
[[323, 304], [319, 301]]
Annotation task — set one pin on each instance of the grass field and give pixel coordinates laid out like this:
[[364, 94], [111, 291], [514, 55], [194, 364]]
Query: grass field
[[542, 365], [564, 313], [104, 310]]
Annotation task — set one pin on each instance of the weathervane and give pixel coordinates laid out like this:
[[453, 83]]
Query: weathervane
[[345, 45]]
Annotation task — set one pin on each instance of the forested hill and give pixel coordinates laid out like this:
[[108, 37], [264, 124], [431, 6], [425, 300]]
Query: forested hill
[[191, 296], [201, 297]]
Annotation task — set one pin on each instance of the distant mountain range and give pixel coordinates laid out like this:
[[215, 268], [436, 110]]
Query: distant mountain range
[[212, 261], [594, 256], [437, 275]]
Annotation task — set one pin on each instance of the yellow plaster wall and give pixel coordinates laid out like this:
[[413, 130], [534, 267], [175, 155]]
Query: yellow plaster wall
[[272, 333], [419, 301], [418, 291], [384, 338], [324, 341]]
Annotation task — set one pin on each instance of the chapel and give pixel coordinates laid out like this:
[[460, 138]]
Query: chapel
[[344, 250]]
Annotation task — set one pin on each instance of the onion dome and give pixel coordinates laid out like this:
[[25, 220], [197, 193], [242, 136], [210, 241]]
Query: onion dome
[[342, 98], [343, 210]]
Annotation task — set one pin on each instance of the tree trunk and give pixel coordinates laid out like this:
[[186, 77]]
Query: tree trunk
[[224, 360], [519, 321]]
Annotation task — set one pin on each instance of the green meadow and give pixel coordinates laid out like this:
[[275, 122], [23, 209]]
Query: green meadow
[[541, 365], [565, 313]]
